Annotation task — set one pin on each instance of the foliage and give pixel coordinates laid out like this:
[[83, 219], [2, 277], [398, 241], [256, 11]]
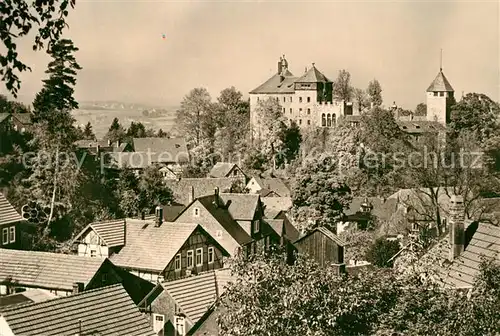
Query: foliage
[[342, 89], [319, 193], [420, 110], [88, 133], [237, 187], [374, 92], [271, 125], [357, 244], [116, 131], [8, 106], [291, 139], [381, 251], [361, 98], [18, 18]]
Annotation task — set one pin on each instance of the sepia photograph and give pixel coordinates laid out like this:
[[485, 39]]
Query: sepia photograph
[[249, 168]]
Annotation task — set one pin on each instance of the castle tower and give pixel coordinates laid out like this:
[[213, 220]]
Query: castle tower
[[440, 97]]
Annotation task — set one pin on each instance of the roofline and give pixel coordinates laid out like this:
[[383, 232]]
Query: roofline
[[314, 230], [144, 300]]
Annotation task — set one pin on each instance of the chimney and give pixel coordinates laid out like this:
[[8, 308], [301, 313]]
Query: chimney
[[280, 66], [457, 230], [191, 195], [77, 287], [159, 216], [216, 198]]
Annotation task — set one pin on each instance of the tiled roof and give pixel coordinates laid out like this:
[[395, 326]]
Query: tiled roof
[[92, 143], [274, 184], [170, 212], [274, 205], [221, 169], [275, 85], [195, 294], [241, 206], [327, 233], [7, 212], [421, 126], [134, 160], [104, 311], [313, 75], [151, 248], [382, 209], [225, 219], [202, 187], [484, 242], [28, 296], [440, 83], [45, 269], [276, 225], [4, 116], [112, 232], [169, 149], [24, 118]]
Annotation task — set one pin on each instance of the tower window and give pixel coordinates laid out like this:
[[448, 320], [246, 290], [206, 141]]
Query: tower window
[[300, 121], [308, 111], [300, 99], [290, 111], [441, 94], [284, 110], [309, 122], [328, 120], [300, 110], [308, 99], [290, 99], [323, 120], [436, 94], [284, 99]]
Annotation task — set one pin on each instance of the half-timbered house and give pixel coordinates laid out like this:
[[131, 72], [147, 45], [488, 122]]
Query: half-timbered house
[[101, 239]]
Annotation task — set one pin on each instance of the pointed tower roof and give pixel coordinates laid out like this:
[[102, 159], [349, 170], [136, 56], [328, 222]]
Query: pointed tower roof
[[313, 75], [440, 83]]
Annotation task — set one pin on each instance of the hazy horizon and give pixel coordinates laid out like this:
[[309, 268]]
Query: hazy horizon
[[222, 44]]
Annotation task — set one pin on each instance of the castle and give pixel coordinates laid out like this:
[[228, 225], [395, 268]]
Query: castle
[[308, 100]]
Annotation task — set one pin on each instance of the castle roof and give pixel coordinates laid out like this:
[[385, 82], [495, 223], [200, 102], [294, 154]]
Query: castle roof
[[276, 85], [440, 83], [313, 75]]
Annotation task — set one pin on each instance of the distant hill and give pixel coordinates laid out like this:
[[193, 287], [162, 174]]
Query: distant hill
[[117, 105]]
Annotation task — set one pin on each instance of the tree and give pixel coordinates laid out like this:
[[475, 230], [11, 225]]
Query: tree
[[342, 89], [271, 124], [360, 97], [382, 251], [8, 106], [116, 131], [152, 190], [475, 113], [162, 134], [87, 132], [374, 92], [291, 139], [136, 130], [421, 110], [18, 18], [357, 244], [319, 193]]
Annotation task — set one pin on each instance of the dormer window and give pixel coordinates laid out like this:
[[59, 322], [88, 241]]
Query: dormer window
[[196, 212], [256, 226]]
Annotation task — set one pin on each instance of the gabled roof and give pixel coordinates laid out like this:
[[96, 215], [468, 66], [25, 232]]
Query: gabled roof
[[276, 225], [421, 126], [112, 232], [221, 169], [225, 219], [23, 118], [7, 212], [274, 205], [136, 160], [171, 149], [383, 209], [484, 242], [275, 85], [104, 311], [4, 116], [29, 296], [202, 187], [92, 144], [194, 295], [241, 206], [440, 83], [313, 75], [45, 269], [273, 184], [171, 212], [325, 232], [152, 248]]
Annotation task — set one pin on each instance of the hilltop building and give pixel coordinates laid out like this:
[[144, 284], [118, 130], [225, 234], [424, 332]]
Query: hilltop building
[[307, 99]]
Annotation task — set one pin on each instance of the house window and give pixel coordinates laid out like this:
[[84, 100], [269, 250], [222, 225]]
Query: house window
[[300, 110], [158, 322], [12, 234], [300, 121], [435, 94], [199, 257], [284, 99], [323, 120], [284, 110], [93, 253], [441, 94], [180, 326], [211, 255], [178, 262], [196, 212], [256, 226], [300, 99], [104, 278], [190, 259], [415, 227], [235, 172], [5, 236], [308, 99], [290, 111], [23, 129], [309, 122], [308, 111], [328, 120]]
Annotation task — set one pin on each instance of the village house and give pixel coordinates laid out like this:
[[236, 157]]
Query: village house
[[101, 239], [175, 306], [227, 169], [63, 274], [185, 190], [171, 153], [28, 296], [268, 187], [103, 311], [274, 207], [13, 227], [189, 249], [364, 212], [96, 147], [324, 247]]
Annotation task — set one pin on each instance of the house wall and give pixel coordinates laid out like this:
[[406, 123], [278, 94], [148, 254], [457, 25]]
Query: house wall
[[211, 225], [4, 328], [150, 276], [165, 305], [92, 242], [253, 186], [196, 241], [321, 248]]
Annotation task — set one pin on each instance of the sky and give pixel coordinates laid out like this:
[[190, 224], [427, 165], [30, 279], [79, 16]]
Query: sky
[[218, 44]]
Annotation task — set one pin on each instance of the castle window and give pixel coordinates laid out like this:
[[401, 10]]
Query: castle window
[[284, 99], [300, 99], [300, 110], [290, 111], [308, 111], [300, 121], [258, 98], [329, 120], [290, 99], [441, 94], [284, 110], [309, 122], [334, 119], [308, 99], [323, 120], [435, 94]]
